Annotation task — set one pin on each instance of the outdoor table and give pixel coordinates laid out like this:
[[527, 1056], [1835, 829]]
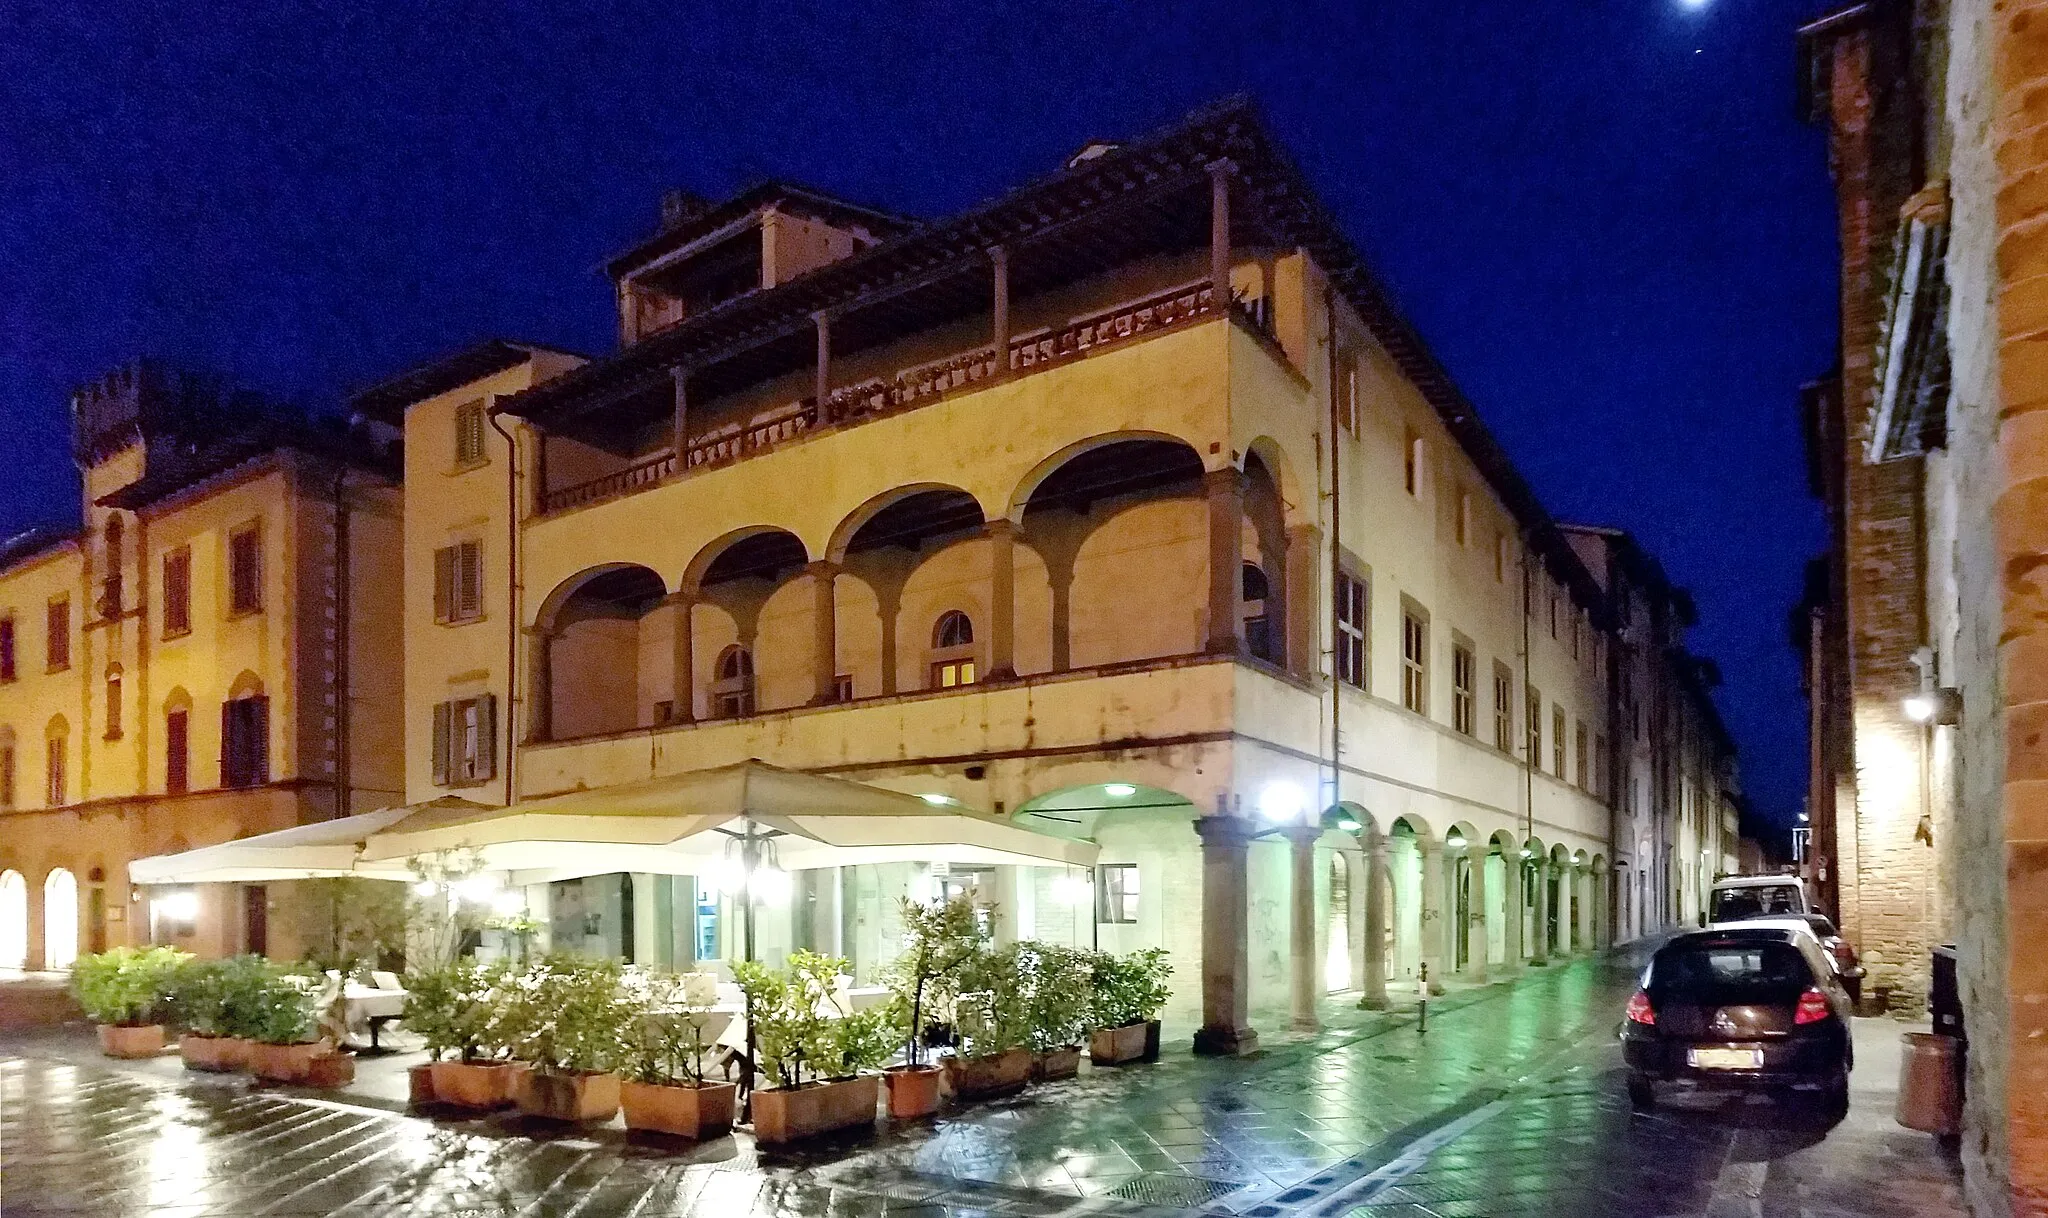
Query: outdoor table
[[376, 1007]]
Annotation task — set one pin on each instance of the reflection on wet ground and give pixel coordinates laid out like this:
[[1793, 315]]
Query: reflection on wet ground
[[1511, 1103]]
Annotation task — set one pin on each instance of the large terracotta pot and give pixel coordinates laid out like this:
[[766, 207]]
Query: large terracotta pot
[[1059, 1063], [784, 1114], [145, 1041], [419, 1084], [210, 1052], [1130, 1043], [913, 1091], [1002, 1073], [567, 1097], [478, 1085], [685, 1111], [330, 1070], [285, 1063]]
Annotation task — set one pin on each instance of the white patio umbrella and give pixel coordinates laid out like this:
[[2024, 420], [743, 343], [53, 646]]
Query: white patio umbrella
[[320, 850]]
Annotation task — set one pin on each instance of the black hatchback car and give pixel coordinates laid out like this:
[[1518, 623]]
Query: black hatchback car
[[1749, 1007]]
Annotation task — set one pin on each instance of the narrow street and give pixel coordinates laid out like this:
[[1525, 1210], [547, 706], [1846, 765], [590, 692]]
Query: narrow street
[[1510, 1103]]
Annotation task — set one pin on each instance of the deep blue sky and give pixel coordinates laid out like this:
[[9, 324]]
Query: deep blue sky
[[1602, 213]]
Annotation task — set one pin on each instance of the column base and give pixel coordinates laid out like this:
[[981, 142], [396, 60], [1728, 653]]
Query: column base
[[1225, 1042], [1304, 1024], [1373, 1002], [996, 675]]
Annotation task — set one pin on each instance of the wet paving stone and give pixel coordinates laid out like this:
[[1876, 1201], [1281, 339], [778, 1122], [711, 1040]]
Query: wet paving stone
[[1510, 1104]]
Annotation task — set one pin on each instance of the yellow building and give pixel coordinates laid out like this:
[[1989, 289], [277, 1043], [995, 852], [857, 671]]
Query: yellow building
[[1125, 506], [213, 653]]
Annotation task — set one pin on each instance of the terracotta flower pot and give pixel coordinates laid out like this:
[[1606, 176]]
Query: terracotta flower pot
[[330, 1070], [1130, 1043], [913, 1091], [285, 1063], [145, 1041], [1059, 1063], [568, 1096], [685, 1111], [478, 1085], [419, 1083], [784, 1114], [209, 1052], [1004, 1073]]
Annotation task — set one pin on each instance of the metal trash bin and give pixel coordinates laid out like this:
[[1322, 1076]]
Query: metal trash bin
[[1930, 1083]]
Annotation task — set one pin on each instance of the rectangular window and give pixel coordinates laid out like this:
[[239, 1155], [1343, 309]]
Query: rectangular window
[[1354, 604], [469, 433], [1116, 892], [842, 687], [1414, 663], [245, 742], [466, 741], [1411, 473], [177, 592], [1464, 524], [1503, 708], [948, 674], [1500, 558], [58, 626], [1600, 766], [1532, 726], [1582, 746], [1558, 743], [177, 752], [245, 570], [7, 669], [53, 789], [1347, 394], [6, 775], [459, 582], [1576, 622], [1553, 615], [1464, 678], [113, 712]]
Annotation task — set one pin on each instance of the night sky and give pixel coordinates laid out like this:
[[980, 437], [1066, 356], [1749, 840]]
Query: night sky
[[1603, 214]]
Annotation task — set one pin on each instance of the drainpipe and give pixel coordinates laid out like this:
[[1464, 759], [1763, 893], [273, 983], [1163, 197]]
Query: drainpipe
[[1336, 546], [343, 684], [512, 589]]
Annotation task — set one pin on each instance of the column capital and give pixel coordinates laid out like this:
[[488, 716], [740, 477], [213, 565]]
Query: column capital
[[1229, 478], [1002, 525], [999, 255], [1221, 167], [1303, 835], [1225, 832], [821, 317], [822, 568], [684, 599]]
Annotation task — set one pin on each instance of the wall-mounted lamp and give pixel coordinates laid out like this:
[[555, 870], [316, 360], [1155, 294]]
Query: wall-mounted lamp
[[1942, 707]]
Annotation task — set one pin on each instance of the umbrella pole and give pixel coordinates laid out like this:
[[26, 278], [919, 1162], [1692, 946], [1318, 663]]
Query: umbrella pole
[[749, 858]]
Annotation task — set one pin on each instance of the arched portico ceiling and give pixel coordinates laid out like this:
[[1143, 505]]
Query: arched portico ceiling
[[1410, 826], [906, 518], [1107, 468], [1503, 842], [615, 590], [1263, 457], [1075, 811], [761, 553], [1357, 813], [1464, 837]]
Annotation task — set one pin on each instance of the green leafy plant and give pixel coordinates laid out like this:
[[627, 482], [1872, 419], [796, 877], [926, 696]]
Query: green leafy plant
[[1129, 989], [863, 1040], [790, 1011], [1056, 983], [281, 1010], [127, 986], [220, 997], [939, 938], [350, 924], [991, 1014], [665, 1015], [567, 1014]]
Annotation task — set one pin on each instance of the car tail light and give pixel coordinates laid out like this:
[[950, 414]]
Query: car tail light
[[1639, 1009], [1813, 1007]]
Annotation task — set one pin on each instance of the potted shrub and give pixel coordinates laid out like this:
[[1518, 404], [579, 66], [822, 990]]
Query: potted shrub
[[568, 1019], [664, 1090], [459, 1010], [216, 1003], [802, 1048], [1129, 992], [990, 1024], [281, 1024], [1056, 982], [126, 991], [939, 938]]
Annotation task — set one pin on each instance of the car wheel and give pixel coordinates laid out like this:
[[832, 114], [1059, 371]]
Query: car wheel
[[1834, 1094], [1642, 1092]]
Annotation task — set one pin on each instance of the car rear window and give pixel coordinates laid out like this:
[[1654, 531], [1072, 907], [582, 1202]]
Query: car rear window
[[1761, 901], [1727, 970]]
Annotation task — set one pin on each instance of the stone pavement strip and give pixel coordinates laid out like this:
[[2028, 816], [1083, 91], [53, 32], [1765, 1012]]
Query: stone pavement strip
[[1511, 1103]]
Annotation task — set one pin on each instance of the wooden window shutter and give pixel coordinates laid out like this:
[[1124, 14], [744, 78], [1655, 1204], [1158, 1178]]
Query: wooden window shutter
[[259, 739], [228, 744], [487, 737], [443, 731], [444, 583], [468, 601]]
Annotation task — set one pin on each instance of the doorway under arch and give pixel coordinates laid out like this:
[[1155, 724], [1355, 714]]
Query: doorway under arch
[[60, 920], [13, 920]]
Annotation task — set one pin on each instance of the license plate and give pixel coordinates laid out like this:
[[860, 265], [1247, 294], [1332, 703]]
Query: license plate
[[1725, 1059]]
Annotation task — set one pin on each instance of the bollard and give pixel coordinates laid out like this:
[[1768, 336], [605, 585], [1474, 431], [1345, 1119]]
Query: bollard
[[1422, 1002]]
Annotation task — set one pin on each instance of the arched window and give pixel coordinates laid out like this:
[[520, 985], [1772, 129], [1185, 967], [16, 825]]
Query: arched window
[[952, 661], [732, 693], [110, 583], [55, 764], [13, 920], [113, 711], [60, 919], [1258, 628]]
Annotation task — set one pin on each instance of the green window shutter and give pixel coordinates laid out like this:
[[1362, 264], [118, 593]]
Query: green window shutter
[[442, 733], [444, 583], [487, 736]]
